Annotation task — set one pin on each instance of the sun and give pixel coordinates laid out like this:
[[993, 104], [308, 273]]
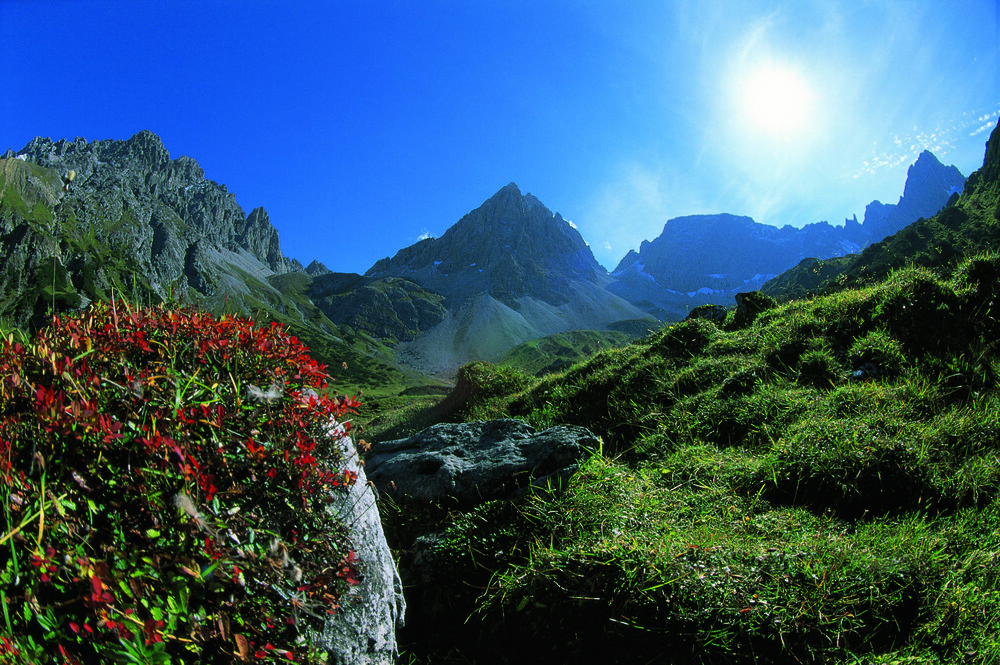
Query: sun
[[776, 100]]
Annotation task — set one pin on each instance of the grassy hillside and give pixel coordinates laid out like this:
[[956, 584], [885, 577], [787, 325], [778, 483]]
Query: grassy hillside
[[819, 486], [560, 351]]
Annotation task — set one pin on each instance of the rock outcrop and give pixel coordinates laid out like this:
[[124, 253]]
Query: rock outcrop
[[478, 461], [363, 632]]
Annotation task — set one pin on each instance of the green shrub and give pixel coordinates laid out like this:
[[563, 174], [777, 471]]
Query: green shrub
[[684, 339], [924, 314], [165, 476], [479, 384]]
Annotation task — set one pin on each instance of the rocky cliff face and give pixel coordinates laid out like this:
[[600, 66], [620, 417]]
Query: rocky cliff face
[[707, 259], [132, 219], [929, 184]]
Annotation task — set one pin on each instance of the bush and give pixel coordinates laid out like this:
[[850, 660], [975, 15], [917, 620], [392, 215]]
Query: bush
[[165, 476], [479, 383], [685, 339]]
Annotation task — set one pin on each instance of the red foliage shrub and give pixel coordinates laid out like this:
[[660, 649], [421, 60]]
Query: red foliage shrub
[[165, 476]]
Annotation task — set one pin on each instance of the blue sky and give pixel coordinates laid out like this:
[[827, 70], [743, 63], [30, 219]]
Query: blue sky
[[362, 126]]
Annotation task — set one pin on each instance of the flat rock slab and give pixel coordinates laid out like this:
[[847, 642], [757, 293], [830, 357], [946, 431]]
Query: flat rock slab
[[478, 461]]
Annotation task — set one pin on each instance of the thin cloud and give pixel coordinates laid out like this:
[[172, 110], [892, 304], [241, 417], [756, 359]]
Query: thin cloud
[[425, 235], [941, 140], [988, 121]]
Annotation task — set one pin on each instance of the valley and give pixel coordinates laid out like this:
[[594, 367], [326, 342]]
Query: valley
[[814, 480]]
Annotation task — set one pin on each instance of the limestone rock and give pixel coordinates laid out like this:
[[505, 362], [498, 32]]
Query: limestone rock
[[478, 461], [133, 220], [363, 632]]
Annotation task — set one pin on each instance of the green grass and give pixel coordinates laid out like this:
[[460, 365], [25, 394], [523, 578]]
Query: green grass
[[820, 486]]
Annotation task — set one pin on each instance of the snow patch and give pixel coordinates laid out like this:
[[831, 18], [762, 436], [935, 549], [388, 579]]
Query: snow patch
[[703, 291]]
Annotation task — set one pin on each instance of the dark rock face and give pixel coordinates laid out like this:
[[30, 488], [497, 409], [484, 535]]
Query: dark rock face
[[929, 185], [164, 225], [987, 178], [476, 462], [511, 246]]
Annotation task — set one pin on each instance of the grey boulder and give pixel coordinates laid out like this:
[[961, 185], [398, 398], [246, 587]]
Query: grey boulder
[[478, 461]]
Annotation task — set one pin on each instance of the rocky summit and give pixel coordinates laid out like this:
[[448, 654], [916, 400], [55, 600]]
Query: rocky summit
[[510, 247]]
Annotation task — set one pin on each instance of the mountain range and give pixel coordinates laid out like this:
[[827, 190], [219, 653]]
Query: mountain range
[[136, 222], [707, 259]]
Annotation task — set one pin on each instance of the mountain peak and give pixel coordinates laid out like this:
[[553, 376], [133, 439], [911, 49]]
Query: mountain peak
[[509, 247], [926, 179]]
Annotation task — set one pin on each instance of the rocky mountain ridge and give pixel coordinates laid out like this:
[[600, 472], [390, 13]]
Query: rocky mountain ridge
[[509, 271], [510, 247], [707, 259], [967, 226], [132, 219]]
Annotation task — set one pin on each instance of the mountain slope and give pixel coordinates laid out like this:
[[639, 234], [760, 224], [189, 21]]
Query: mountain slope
[[132, 220], [138, 224], [510, 247]]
